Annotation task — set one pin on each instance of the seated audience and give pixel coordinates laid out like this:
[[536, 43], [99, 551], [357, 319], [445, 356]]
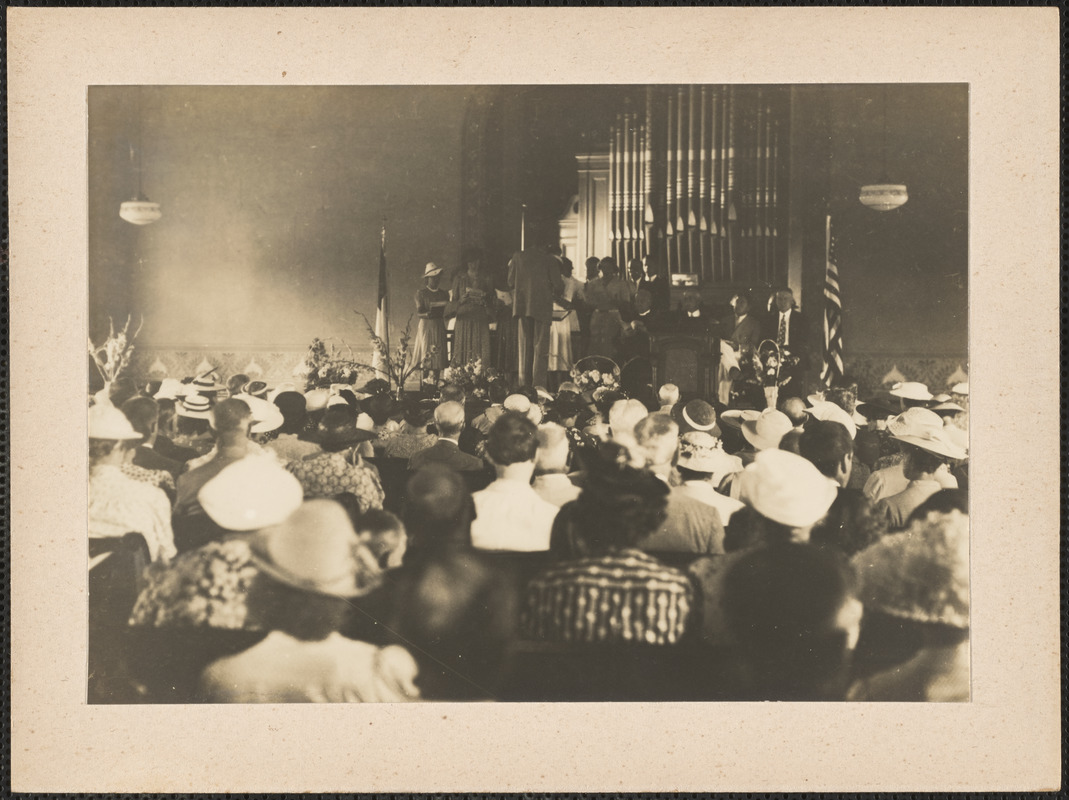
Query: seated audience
[[611, 592], [412, 435], [551, 481], [702, 465], [928, 452], [851, 523], [166, 430], [449, 421], [496, 392], [144, 414], [690, 525], [119, 505], [794, 617], [509, 514], [289, 444], [340, 468], [922, 576], [310, 567]]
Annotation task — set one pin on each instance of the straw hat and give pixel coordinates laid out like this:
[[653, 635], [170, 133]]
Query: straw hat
[[431, 270], [696, 415], [947, 407], [911, 390], [734, 417], [265, 416], [205, 383], [765, 432], [921, 574], [108, 422], [923, 428], [252, 493], [787, 489], [194, 406], [256, 389], [960, 388], [857, 417], [704, 453], [317, 550], [338, 428]]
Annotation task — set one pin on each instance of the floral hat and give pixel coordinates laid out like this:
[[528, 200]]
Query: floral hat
[[702, 452], [923, 428], [921, 574]]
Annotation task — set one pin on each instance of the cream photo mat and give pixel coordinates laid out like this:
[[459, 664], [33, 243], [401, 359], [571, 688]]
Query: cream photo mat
[[1007, 738]]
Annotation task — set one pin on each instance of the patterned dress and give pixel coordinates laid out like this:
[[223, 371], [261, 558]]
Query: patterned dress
[[471, 334], [623, 597], [332, 474]]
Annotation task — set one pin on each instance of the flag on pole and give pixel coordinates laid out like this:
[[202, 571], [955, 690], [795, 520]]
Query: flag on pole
[[382, 311], [833, 313]]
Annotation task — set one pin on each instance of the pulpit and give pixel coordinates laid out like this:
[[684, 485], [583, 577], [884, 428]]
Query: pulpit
[[688, 361]]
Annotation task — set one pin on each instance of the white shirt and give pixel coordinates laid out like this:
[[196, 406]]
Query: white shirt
[[282, 669], [703, 491], [511, 516], [556, 489]]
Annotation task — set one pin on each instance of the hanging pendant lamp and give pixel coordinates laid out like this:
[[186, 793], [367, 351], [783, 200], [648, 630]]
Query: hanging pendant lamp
[[140, 210], [884, 196]]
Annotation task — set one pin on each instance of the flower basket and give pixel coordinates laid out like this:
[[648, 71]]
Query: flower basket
[[596, 372]]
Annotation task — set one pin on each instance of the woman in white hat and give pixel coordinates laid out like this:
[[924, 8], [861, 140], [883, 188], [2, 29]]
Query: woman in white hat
[[928, 453], [119, 505], [429, 348], [310, 569]]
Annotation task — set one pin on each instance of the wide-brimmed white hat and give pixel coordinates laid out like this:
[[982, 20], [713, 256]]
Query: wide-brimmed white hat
[[829, 412], [252, 493], [431, 269], [923, 428], [170, 389], [703, 452], [287, 386], [734, 417], [265, 416], [911, 390], [765, 432], [960, 388], [194, 406], [947, 407], [818, 397], [786, 488], [108, 422], [316, 399], [316, 549]]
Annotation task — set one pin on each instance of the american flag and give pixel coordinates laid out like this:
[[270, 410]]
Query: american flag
[[382, 311], [833, 314]]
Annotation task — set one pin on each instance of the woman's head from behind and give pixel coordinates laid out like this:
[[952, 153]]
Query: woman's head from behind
[[438, 509], [619, 504]]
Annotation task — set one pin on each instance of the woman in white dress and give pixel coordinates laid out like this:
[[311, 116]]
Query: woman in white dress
[[565, 323]]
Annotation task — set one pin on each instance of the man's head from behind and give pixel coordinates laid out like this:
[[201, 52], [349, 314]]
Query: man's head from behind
[[793, 612], [512, 444], [453, 393], [794, 408], [449, 419], [553, 450], [231, 418], [658, 439], [668, 395], [144, 414], [828, 446]]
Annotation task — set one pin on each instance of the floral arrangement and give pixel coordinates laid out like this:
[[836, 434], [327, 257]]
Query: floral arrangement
[[326, 363], [472, 377], [595, 372], [768, 360], [112, 356], [394, 365]]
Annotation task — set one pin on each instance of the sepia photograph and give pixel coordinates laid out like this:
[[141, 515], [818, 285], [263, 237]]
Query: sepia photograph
[[452, 400], [528, 393]]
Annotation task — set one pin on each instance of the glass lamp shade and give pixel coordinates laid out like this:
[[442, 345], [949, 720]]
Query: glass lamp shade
[[140, 211], [883, 196]]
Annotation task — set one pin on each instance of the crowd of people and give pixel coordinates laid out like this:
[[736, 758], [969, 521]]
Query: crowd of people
[[261, 544]]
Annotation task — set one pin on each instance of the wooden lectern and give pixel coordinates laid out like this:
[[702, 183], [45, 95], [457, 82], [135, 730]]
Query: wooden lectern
[[687, 360]]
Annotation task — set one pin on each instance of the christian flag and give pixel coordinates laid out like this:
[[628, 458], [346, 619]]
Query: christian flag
[[382, 311], [833, 314]]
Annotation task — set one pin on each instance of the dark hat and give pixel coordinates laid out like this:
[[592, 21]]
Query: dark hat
[[375, 386], [418, 412], [256, 389], [337, 429], [695, 415], [380, 407]]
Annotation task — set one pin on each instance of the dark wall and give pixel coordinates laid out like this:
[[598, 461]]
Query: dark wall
[[903, 273], [272, 204]]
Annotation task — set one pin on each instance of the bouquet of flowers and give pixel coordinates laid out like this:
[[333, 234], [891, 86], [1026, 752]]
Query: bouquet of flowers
[[768, 360], [472, 377], [326, 363], [112, 356], [596, 372], [394, 365]]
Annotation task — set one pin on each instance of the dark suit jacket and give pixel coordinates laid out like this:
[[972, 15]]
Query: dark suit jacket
[[535, 279], [168, 449], [148, 458], [796, 330], [747, 334], [447, 454]]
